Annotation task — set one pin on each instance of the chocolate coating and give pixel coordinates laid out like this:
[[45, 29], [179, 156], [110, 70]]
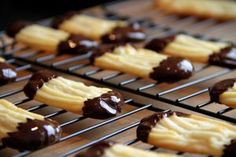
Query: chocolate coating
[[7, 73], [77, 44], [97, 150], [230, 150], [15, 27], [220, 88], [172, 69], [130, 33], [226, 57], [37, 81], [105, 106], [60, 19], [33, 134], [158, 44], [148, 123], [102, 49]]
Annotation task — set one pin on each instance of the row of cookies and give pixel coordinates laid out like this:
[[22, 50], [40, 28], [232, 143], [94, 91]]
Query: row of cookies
[[78, 34], [175, 131]]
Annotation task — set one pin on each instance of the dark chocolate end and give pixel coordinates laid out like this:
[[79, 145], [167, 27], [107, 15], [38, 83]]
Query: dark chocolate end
[[148, 123], [226, 57], [7, 73], [15, 27], [105, 106], [37, 81], [56, 22], [158, 44], [77, 44], [220, 88], [131, 33], [230, 150], [102, 49], [172, 69], [97, 150], [33, 134]]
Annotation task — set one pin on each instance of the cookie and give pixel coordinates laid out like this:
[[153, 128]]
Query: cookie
[[220, 9], [48, 39], [144, 63], [217, 53], [224, 92], [2, 59], [23, 130], [188, 133], [111, 149], [109, 31], [7, 72], [76, 97]]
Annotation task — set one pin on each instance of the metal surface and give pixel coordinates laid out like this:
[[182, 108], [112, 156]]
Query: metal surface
[[143, 96]]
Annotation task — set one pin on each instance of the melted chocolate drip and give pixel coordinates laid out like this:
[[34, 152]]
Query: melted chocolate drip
[[59, 20], [148, 123], [37, 81], [172, 69], [15, 27], [158, 44], [33, 134], [102, 49], [97, 150], [226, 57], [230, 150], [131, 33], [105, 106], [220, 88], [77, 44], [7, 73]]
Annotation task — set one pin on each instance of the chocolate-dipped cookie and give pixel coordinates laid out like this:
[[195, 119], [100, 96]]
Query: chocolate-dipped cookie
[[7, 72], [217, 53], [188, 133], [145, 63], [49, 39], [109, 148], [109, 31], [23, 130], [72, 96], [224, 92], [221, 10]]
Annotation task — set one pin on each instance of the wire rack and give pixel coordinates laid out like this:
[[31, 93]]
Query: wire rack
[[143, 96]]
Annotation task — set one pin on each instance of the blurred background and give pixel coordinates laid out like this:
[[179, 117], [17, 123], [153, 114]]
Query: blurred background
[[11, 10]]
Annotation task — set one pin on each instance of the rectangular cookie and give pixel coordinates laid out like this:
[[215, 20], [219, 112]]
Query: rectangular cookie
[[112, 149], [109, 31], [188, 133], [90, 101], [143, 63], [224, 92], [194, 49], [218, 9], [49, 39], [23, 130]]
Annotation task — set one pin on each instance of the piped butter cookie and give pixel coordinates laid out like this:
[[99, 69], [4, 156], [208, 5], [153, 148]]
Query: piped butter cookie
[[188, 133], [217, 53], [218, 9], [110, 31], [224, 92], [49, 39], [143, 63], [111, 149], [23, 130], [76, 97]]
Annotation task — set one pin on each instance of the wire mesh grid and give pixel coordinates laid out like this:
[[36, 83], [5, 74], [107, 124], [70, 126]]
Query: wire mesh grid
[[191, 94]]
